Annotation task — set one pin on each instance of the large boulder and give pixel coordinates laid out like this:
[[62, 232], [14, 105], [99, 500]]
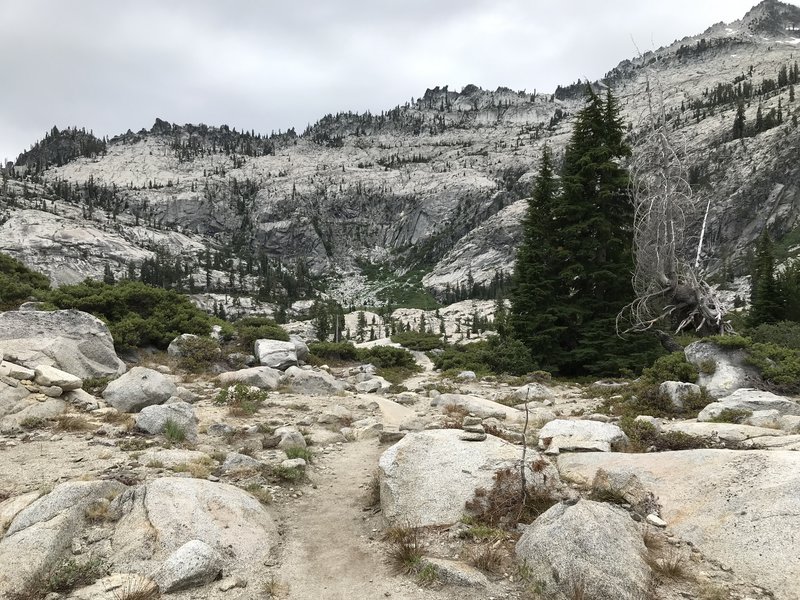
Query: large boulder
[[276, 354], [427, 477], [750, 400], [312, 383], [480, 407], [41, 535], [300, 347], [138, 388], [153, 419], [265, 378], [580, 435], [160, 517], [71, 340], [722, 370], [741, 509], [590, 545]]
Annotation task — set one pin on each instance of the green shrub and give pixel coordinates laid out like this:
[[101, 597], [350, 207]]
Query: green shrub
[[785, 334], [18, 283], [174, 432], [495, 355], [137, 314], [297, 452], [197, 354], [241, 399], [778, 365], [643, 436], [671, 367], [414, 340], [387, 357], [730, 341], [338, 351], [732, 415], [251, 329]]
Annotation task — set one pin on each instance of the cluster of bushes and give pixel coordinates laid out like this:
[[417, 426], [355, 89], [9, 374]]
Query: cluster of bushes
[[494, 355], [18, 283], [414, 340], [380, 356], [250, 329], [137, 314]]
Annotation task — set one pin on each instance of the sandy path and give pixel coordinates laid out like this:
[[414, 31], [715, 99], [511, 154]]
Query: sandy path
[[329, 554]]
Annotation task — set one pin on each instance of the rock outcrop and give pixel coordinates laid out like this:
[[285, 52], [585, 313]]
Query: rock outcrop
[[70, 340]]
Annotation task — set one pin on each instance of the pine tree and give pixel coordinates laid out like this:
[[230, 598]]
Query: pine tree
[[533, 291], [766, 305], [574, 266], [739, 123]]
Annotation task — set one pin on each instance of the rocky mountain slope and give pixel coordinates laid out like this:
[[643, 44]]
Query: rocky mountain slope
[[434, 187]]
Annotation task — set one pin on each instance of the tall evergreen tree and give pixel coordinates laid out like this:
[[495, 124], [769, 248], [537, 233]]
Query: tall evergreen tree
[[766, 305], [576, 279], [533, 291]]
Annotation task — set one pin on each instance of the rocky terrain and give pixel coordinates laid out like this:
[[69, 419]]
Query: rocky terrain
[[432, 189], [285, 480]]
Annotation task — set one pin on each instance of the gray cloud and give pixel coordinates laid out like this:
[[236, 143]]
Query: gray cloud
[[269, 65]]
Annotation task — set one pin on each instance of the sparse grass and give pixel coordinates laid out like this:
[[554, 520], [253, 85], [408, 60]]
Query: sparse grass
[[374, 491], [95, 385], [242, 400], [291, 474], [503, 505], [137, 588], [219, 456], [133, 444], [710, 591], [198, 469], [119, 418], [274, 588], [259, 493], [578, 591], [427, 575], [671, 564], [482, 533], [155, 464], [72, 423], [297, 452], [487, 558], [63, 578], [405, 548], [99, 512], [29, 423], [644, 436], [174, 432]]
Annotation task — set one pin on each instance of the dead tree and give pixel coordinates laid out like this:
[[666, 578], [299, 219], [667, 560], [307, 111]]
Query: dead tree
[[669, 277]]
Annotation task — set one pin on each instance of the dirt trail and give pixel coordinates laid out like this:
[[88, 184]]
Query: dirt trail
[[328, 553], [332, 551]]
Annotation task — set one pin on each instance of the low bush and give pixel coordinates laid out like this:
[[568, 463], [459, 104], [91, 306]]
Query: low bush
[[779, 366], [197, 354], [732, 415], [503, 504], [643, 436], [250, 329], [137, 314], [414, 340], [785, 334], [333, 351], [495, 355], [241, 399], [18, 283]]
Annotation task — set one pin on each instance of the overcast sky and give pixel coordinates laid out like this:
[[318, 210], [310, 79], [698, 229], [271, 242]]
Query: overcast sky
[[274, 64]]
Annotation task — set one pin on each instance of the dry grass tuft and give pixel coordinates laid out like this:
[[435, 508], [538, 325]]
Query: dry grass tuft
[[72, 423], [487, 558], [405, 548]]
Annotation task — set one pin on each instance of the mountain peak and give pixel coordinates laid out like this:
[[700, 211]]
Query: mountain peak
[[772, 17]]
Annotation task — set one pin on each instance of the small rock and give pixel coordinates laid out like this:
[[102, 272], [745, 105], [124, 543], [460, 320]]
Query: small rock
[[50, 376], [656, 520], [472, 437], [294, 463], [52, 391]]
